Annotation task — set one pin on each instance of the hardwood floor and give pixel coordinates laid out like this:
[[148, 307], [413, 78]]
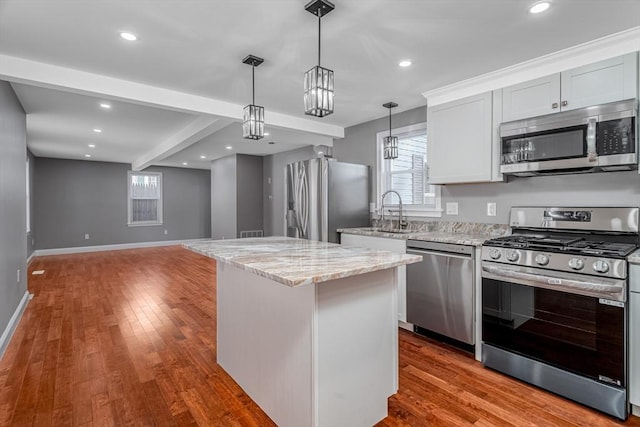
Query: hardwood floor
[[129, 338]]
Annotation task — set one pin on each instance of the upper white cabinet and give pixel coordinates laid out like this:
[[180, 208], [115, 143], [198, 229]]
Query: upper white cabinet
[[460, 141], [605, 81]]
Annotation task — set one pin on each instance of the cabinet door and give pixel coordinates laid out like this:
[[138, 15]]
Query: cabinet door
[[459, 141], [634, 348], [533, 98], [611, 80], [390, 245]]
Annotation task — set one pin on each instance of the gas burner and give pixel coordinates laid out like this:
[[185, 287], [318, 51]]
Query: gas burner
[[610, 249]]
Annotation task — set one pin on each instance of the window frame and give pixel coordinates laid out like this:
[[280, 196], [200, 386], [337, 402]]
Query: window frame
[[383, 172], [130, 223]]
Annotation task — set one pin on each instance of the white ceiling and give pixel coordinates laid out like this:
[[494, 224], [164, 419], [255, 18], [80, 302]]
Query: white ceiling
[[184, 80]]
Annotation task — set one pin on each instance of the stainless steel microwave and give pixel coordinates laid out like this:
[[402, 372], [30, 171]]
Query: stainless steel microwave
[[598, 138]]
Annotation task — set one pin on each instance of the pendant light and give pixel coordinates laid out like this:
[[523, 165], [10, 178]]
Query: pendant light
[[253, 118], [318, 81], [390, 142]]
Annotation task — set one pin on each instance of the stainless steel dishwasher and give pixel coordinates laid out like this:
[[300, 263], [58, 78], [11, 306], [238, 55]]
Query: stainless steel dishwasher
[[440, 289]]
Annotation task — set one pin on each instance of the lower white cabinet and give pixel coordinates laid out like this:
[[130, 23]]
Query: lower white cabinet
[[386, 244]]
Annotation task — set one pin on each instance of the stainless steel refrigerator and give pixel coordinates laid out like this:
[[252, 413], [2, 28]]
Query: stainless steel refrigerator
[[324, 195]]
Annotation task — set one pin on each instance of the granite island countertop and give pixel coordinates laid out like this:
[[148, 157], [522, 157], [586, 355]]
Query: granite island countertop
[[296, 262], [471, 234]]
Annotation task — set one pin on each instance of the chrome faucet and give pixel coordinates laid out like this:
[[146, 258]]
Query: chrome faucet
[[401, 223]]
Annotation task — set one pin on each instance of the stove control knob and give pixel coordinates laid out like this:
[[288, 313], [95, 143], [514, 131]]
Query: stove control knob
[[601, 266], [542, 259], [576, 264], [495, 254], [513, 256]]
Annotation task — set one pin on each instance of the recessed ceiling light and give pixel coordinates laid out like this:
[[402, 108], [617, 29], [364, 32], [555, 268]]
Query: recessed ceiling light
[[539, 7], [228, 147], [128, 36], [184, 163], [203, 157], [96, 130], [404, 63], [105, 105], [87, 155], [92, 145]]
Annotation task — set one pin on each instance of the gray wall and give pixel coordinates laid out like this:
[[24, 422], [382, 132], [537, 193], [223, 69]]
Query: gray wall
[[359, 143], [75, 197], [596, 189], [236, 195], [31, 234], [223, 198], [13, 226], [249, 197], [274, 182]]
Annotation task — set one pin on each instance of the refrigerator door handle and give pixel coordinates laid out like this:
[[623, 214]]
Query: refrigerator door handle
[[305, 202], [299, 202]]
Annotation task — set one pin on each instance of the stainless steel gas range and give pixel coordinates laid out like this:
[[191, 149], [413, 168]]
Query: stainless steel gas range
[[554, 302]]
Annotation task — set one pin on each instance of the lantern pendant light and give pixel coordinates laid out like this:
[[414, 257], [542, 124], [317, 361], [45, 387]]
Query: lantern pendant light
[[390, 149], [253, 117], [318, 81]]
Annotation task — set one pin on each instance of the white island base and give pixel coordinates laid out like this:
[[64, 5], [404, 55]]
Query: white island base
[[320, 355]]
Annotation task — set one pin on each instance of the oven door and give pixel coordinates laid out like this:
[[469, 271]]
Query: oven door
[[583, 334]]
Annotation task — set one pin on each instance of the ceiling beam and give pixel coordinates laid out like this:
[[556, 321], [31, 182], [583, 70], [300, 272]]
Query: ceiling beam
[[200, 128], [20, 70]]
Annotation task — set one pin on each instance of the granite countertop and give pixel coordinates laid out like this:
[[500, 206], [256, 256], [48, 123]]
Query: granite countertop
[[296, 262], [634, 258], [470, 234]]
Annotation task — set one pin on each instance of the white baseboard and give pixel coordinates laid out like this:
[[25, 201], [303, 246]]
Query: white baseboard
[[13, 323], [100, 248], [635, 410], [33, 254], [405, 325]]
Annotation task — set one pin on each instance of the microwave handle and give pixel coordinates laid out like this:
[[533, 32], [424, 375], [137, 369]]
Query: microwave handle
[[592, 154]]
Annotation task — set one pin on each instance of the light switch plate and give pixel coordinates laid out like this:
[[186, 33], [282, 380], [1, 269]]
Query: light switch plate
[[452, 208], [372, 207], [491, 209]]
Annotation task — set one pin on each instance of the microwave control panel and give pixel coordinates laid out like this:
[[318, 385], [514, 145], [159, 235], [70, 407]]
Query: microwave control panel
[[616, 137]]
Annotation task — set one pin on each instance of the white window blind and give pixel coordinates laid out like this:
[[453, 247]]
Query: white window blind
[[407, 173], [145, 198]]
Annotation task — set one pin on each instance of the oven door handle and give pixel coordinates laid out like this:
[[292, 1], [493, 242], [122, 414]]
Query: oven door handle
[[610, 289]]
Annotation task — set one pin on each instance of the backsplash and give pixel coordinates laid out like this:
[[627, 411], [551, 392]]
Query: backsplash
[[491, 230]]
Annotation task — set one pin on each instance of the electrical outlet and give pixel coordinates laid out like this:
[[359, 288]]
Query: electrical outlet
[[86, 236], [166, 232], [268, 180], [491, 209], [372, 207], [452, 208]]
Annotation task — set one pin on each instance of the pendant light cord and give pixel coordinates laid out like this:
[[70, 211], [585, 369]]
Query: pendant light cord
[[253, 82], [389, 123], [319, 34]]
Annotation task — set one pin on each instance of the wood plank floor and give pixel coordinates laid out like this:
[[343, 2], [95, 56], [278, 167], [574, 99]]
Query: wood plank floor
[[129, 338]]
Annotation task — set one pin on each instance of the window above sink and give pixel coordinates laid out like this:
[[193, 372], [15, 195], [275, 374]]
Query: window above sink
[[407, 174]]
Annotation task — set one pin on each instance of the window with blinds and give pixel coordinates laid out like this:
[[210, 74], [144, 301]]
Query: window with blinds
[[145, 198], [407, 174]]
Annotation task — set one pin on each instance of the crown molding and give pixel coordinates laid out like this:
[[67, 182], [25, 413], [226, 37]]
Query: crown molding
[[617, 44]]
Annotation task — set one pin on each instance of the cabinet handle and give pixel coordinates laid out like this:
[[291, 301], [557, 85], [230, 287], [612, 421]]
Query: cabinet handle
[[554, 105], [565, 103]]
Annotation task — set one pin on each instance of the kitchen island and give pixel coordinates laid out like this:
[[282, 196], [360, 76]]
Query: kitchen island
[[308, 329]]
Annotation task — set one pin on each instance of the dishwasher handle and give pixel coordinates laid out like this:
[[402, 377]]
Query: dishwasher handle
[[415, 251]]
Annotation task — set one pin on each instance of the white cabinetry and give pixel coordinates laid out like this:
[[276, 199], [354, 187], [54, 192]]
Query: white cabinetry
[[605, 81], [385, 244], [634, 335], [460, 143]]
